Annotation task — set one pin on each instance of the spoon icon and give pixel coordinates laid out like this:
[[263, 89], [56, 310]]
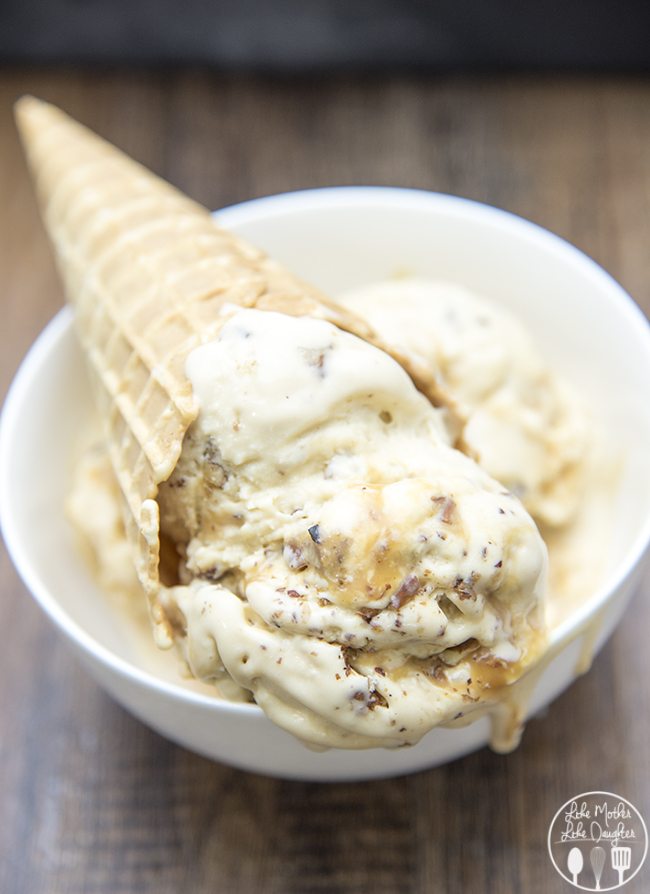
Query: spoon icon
[[575, 863]]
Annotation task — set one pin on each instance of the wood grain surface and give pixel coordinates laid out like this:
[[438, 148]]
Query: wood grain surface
[[91, 800]]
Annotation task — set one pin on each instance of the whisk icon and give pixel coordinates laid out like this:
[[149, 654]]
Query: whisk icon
[[597, 859]]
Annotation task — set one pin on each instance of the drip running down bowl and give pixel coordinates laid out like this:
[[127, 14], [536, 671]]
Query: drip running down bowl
[[587, 328]]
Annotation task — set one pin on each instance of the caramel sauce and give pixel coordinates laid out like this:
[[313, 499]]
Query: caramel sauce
[[493, 673], [372, 565]]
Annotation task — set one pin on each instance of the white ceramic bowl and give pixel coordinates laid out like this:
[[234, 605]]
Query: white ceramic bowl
[[585, 324]]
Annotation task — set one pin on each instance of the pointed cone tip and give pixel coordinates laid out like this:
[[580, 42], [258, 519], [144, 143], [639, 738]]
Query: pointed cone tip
[[26, 107], [33, 115]]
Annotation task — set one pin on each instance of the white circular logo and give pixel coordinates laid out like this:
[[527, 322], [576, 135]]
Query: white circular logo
[[598, 841]]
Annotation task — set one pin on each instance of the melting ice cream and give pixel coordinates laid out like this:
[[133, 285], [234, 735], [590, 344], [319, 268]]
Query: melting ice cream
[[338, 558]]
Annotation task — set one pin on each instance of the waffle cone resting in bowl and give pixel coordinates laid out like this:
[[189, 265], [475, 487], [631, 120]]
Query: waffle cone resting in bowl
[[325, 546]]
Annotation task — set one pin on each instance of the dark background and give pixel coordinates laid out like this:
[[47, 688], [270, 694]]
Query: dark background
[[322, 35]]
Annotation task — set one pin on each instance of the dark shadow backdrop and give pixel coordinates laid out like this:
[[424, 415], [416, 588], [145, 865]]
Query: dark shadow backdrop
[[323, 35]]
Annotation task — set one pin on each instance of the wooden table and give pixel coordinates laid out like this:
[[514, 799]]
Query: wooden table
[[91, 800]]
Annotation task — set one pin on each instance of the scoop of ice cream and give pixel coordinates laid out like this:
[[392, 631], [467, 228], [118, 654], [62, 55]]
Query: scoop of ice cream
[[339, 559], [93, 508], [520, 422]]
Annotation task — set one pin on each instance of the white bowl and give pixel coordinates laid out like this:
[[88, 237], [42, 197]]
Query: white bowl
[[337, 238]]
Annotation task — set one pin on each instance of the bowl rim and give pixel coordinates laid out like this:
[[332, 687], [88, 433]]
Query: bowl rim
[[259, 209]]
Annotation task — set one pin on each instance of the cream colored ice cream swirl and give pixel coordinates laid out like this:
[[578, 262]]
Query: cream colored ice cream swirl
[[521, 423], [339, 559]]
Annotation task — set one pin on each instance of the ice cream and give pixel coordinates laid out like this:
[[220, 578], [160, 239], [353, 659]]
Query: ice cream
[[93, 507], [521, 423], [345, 564], [298, 518]]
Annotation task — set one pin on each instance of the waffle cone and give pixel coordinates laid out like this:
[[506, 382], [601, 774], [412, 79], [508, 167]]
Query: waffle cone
[[148, 271]]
